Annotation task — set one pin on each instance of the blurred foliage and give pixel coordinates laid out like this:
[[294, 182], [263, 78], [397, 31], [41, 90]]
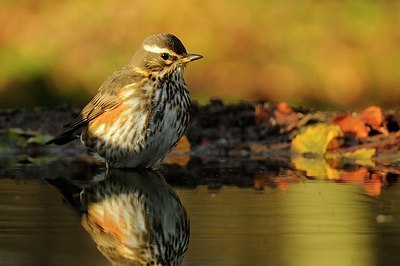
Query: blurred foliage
[[321, 53]]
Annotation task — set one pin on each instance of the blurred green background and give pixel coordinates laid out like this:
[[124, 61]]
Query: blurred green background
[[333, 54]]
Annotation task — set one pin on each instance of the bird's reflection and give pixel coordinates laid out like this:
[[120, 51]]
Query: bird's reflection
[[134, 217]]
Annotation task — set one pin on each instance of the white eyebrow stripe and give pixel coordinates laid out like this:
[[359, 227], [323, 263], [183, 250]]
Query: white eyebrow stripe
[[157, 50]]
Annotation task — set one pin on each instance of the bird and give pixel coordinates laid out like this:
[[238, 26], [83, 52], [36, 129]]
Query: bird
[[140, 111], [133, 216]]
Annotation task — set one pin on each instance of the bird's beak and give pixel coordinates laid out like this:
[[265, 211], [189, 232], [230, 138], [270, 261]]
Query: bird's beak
[[191, 57]]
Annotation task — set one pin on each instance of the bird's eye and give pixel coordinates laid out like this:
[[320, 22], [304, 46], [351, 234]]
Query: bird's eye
[[165, 56]]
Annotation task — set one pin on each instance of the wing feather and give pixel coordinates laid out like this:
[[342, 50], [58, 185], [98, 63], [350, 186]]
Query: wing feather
[[107, 98]]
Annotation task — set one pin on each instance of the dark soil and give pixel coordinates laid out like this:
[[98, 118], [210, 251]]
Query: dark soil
[[228, 141], [214, 128], [216, 131]]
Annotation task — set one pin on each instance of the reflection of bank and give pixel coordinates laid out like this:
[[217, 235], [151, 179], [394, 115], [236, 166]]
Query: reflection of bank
[[318, 167], [134, 217]]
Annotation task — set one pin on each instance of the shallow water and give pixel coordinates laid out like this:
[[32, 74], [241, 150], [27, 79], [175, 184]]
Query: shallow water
[[263, 219], [310, 223]]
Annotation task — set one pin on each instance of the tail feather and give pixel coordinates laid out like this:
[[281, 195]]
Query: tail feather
[[65, 137], [61, 140], [71, 132], [71, 192]]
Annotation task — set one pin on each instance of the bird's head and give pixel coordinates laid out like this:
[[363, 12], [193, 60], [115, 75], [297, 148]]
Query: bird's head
[[162, 53]]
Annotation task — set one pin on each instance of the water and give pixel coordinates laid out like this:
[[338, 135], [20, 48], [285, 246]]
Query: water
[[237, 217], [311, 223]]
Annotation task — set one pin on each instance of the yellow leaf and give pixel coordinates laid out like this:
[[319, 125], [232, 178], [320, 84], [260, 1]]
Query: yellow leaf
[[315, 139], [315, 167], [361, 156]]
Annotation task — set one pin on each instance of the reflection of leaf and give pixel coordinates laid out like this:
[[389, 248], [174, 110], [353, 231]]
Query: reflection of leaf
[[373, 186], [355, 177], [315, 139], [315, 167], [361, 156], [318, 166], [372, 183]]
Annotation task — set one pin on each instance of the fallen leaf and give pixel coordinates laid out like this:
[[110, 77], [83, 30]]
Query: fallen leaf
[[183, 145], [24, 137], [180, 154], [351, 124], [284, 108], [285, 117], [335, 144], [373, 117], [260, 113], [315, 139]]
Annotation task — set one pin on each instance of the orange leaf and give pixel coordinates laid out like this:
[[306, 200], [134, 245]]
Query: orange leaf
[[284, 108], [260, 113], [351, 124], [180, 154], [373, 117], [183, 145], [285, 116]]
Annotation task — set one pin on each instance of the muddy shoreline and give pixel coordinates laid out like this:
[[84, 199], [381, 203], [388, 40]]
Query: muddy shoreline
[[238, 144]]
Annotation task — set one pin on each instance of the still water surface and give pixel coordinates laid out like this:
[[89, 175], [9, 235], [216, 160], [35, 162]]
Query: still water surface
[[307, 222]]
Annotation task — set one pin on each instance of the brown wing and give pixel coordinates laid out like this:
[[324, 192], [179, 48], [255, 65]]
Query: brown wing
[[105, 100], [100, 104]]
